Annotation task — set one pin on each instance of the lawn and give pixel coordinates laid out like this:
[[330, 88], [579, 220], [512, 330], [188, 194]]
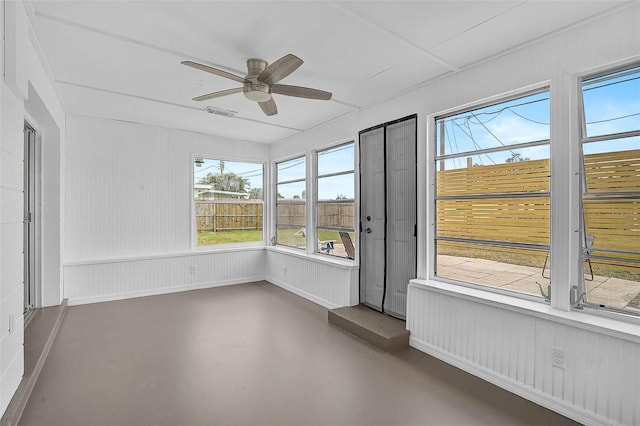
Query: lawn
[[206, 238], [289, 237]]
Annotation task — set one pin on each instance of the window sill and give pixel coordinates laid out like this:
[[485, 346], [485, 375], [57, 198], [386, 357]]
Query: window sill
[[228, 247], [209, 250], [580, 319], [320, 258]]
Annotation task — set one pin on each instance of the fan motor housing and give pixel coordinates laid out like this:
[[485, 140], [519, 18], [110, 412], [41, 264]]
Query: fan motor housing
[[256, 91]]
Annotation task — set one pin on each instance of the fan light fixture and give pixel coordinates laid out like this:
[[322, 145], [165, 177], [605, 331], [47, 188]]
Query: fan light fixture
[[257, 92]]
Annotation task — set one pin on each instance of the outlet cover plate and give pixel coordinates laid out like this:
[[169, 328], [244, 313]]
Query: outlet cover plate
[[558, 357]]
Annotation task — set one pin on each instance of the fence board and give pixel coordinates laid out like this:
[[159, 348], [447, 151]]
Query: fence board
[[215, 217], [615, 223]]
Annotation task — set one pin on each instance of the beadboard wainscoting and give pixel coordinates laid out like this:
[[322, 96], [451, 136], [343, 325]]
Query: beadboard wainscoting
[[99, 281], [332, 284], [512, 348]]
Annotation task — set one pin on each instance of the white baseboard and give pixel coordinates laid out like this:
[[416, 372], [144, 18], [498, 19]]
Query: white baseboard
[[155, 292], [312, 297], [527, 392]]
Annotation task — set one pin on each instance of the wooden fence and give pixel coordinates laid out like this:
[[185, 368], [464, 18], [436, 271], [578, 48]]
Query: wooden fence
[[614, 222], [331, 214], [338, 214], [235, 216], [214, 217]]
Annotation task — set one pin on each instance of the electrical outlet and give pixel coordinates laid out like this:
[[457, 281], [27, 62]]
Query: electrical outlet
[[194, 269], [558, 357]]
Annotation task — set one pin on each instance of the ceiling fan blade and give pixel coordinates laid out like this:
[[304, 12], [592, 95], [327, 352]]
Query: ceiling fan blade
[[269, 107], [218, 94], [280, 69], [215, 71], [300, 92]]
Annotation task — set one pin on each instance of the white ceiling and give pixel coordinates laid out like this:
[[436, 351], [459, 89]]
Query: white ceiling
[[121, 59]]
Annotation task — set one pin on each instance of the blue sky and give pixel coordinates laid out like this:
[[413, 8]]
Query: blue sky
[[251, 171], [611, 106]]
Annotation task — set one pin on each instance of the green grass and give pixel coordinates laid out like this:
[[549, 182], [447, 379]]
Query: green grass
[[291, 237], [225, 237]]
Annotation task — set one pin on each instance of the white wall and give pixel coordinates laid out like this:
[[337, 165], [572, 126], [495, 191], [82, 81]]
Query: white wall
[[11, 261], [332, 284], [128, 211], [26, 91], [512, 348]]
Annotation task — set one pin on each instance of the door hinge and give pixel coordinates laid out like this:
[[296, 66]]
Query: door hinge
[[415, 230], [27, 217]]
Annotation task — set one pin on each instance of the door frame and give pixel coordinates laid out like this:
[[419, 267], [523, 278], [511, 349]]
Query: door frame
[[31, 236], [415, 230]]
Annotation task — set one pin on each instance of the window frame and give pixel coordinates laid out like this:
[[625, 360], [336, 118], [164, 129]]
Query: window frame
[[316, 177], [432, 170], [194, 224], [578, 297], [274, 238]]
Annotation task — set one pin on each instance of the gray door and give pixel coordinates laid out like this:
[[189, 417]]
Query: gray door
[[388, 215], [372, 218]]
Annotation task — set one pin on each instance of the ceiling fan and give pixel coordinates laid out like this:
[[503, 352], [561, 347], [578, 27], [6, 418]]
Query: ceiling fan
[[260, 82]]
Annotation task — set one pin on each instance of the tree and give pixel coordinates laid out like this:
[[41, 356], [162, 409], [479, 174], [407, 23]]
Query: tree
[[341, 197], [516, 157], [256, 194], [226, 182]]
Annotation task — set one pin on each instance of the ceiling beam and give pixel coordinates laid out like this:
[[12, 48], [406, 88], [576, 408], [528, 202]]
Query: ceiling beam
[[380, 28], [146, 45], [144, 98]]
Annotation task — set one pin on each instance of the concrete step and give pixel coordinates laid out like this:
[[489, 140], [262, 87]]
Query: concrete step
[[378, 329]]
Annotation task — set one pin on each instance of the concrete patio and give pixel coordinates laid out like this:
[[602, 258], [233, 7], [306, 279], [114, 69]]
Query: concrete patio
[[612, 292]]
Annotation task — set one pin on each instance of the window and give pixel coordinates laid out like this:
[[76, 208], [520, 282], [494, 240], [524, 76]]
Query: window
[[611, 190], [492, 201], [291, 203], [228, 197], [335, 207]]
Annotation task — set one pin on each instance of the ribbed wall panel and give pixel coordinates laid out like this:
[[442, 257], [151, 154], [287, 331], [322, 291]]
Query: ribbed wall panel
[[129, 189], [99, 281], [602, 374], [329, 285]]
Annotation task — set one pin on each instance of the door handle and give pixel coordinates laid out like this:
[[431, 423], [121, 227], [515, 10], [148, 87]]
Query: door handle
[[369, 230], [368, 218]]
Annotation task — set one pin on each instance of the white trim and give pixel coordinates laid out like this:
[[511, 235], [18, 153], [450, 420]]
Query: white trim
[[319, 258], [519, 389], [227, 249], [507, 96], [330, 145], [581, 320], [155, 292], [313, 298]]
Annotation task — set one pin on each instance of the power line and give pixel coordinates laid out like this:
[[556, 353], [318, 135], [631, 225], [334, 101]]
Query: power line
[[614, 118]]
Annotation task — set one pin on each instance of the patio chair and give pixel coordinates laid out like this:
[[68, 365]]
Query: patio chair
[[326, 247], [348, 245]]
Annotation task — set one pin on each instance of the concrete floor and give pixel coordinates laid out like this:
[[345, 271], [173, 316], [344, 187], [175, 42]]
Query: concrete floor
[[249, 354]]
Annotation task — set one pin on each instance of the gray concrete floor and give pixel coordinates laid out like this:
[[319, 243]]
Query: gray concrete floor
[[249, 354]]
